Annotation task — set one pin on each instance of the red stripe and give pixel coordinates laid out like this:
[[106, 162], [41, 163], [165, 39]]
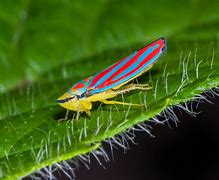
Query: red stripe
[[109, 80], [149, 57], [104, 72], [79, 85]]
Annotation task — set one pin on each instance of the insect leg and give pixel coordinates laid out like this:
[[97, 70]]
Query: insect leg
[[131, 87], [78, 115], [88, 112], [145, 86], [117, 102], [66, 116]]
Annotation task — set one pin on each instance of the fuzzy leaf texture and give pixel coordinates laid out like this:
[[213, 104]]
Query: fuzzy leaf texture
[[47, 46]]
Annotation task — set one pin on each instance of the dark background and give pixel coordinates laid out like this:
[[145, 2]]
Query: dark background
[[189, 151]]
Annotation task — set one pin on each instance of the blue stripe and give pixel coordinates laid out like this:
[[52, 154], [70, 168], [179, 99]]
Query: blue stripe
[[105, 77], [69, 91], [127, 78], [90, 81], [134, 65]]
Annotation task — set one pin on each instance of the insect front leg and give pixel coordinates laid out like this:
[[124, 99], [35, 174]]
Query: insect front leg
[[66, 116], [88, 113], [83, 106], [78, 115]]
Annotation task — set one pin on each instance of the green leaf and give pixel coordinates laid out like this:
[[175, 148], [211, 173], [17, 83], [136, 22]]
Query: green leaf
[[47, 46]]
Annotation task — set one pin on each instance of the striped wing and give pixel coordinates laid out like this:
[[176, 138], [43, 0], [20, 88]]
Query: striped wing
[[124, 70]]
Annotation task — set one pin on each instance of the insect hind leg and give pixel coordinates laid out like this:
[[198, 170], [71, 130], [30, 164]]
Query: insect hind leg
[[131, 87], [118, 102]]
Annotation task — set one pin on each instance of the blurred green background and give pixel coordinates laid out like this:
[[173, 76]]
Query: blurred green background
[[37, 36]]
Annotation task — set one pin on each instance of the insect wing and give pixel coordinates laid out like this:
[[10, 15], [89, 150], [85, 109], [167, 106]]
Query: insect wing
[[127, 68], [80, 87]]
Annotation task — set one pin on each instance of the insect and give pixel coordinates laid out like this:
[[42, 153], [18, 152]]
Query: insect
[[112, 81]]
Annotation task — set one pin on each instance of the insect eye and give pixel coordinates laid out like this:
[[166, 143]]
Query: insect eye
[[65, 100], [70, 98], [61, 100]]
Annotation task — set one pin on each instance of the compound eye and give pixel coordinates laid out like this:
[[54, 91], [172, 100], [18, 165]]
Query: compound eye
[[65, 100], [61, 101]]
